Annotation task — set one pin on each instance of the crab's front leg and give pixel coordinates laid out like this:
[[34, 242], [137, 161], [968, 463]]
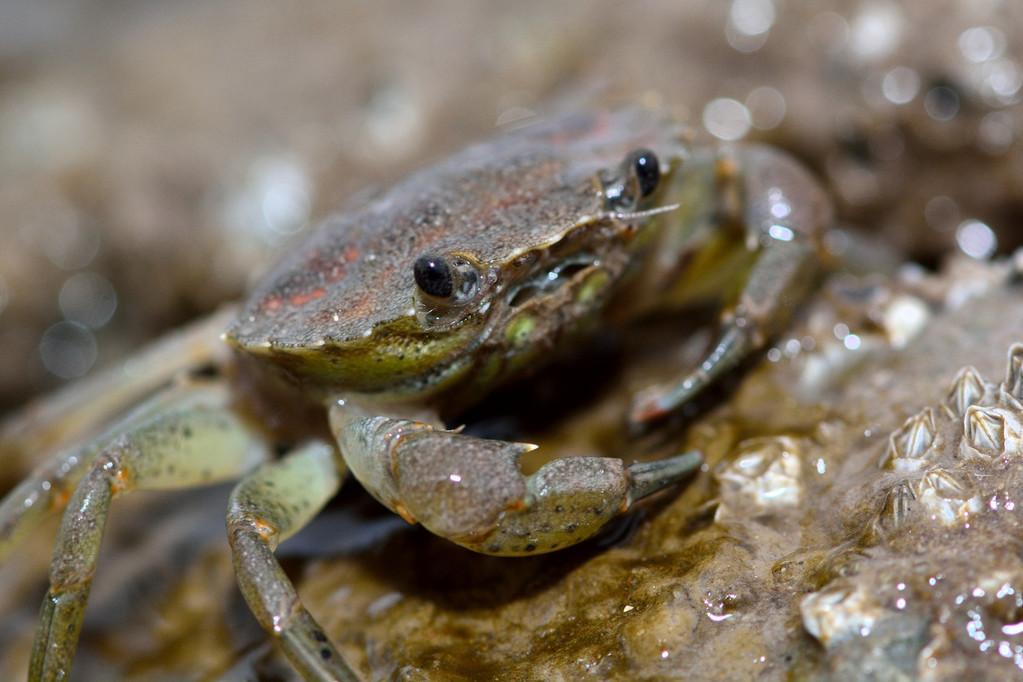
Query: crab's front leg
[[471, 491], [191, 440], [48, 489], [783, 213], [268, 506]]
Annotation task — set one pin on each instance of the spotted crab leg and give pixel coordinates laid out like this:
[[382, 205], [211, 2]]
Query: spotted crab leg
[[48, 489], [471, 491], [268, 506], [782, 209], [195, 441]]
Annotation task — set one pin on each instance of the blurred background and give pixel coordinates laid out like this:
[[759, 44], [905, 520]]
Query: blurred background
[[155, 155]]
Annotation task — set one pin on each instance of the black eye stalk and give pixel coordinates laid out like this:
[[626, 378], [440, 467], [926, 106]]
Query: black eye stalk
[[433, 276], [647, 169], [451, 279], [636, 178]]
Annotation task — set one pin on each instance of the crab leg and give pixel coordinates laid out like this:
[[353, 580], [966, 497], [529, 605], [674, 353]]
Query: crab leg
[[782, 209], [470, 490], [49, 487], [78, 410], [195, 441], [268, 506]]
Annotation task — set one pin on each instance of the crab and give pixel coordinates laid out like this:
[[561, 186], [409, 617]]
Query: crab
[[360, 345]]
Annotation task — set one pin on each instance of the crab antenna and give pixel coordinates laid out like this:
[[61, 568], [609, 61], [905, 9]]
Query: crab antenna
[[636, 215]]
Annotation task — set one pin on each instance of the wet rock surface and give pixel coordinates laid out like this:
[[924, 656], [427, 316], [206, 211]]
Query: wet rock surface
[[864, 524], [870, 529]]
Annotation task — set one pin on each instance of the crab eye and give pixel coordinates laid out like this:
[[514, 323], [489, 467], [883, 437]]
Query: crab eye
[[452, 278], [647, 170], [636, 178], [433, 276]]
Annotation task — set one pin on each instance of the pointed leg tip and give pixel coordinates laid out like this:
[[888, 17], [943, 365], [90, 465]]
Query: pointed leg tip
[[685, 463], [641, 415], [646, 408], [657, 403], [56, 637], [649, 477], [312, 653]]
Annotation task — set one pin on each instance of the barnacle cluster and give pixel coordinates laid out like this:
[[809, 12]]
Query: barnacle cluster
[[937, 564], [935, 448]]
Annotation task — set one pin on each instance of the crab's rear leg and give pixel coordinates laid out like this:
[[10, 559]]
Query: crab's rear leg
[[471, 491], [81, 409], [196, 440], [48, 489], [783, 212], [268, 506]]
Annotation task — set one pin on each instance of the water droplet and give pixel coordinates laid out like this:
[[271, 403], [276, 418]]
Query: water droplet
[[67, 241], [752, 17], [976, 239], [941, 103], [68, 350], [726, 119], [876, 31], [781, 233], [941, 213], [900, 85], [766, 107], [996, 133], [1003, 79], [904, 318], [394, 119], [88, 298], [981, 43], [383, 603], [1012, 629], [274, 201], [285, 196], [778, 203]]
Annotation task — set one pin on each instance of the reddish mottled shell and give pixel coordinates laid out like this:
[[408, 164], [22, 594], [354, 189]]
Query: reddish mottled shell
[[493, 200]]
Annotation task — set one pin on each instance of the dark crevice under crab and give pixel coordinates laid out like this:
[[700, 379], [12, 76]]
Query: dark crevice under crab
[[398, 314]]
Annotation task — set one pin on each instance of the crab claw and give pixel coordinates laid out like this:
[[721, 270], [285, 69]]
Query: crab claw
[[459, 486], [470, 490]]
